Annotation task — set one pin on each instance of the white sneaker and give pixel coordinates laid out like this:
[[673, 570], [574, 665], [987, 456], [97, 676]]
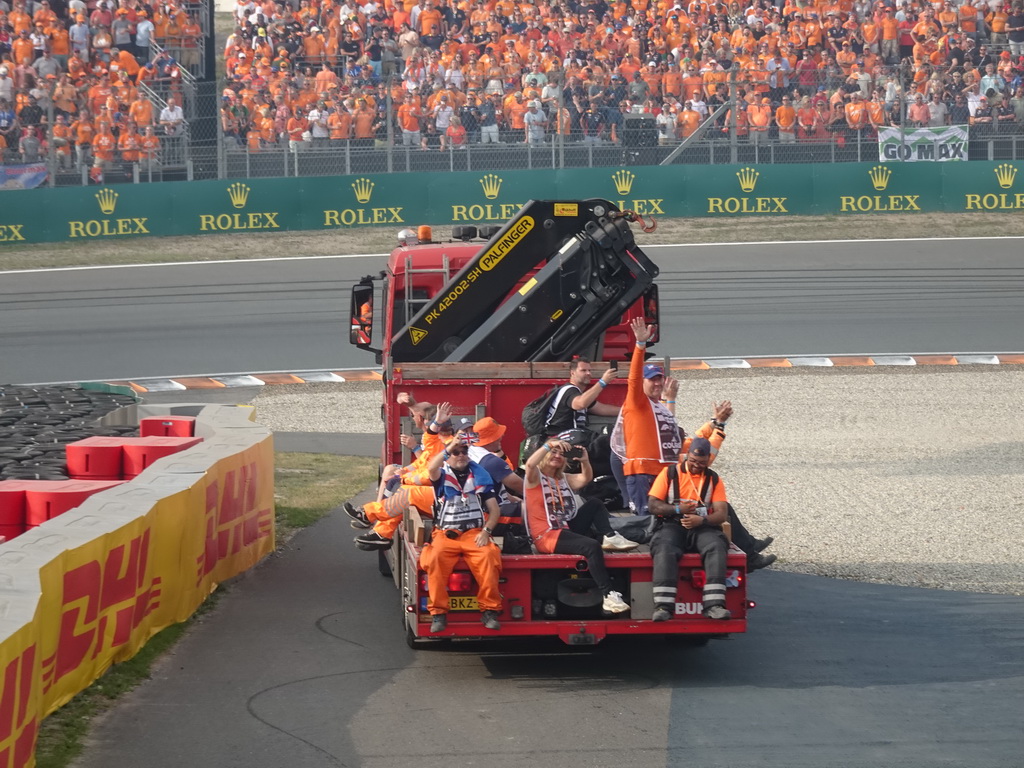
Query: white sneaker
[[618, 543], [613, 603]]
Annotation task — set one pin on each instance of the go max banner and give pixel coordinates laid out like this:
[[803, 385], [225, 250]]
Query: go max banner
[[915, 145]]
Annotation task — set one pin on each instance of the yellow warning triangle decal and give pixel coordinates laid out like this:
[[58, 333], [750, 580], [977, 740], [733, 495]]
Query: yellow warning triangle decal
[[417, 335]]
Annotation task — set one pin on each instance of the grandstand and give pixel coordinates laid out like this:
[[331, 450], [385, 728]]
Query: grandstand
[[134, 92]]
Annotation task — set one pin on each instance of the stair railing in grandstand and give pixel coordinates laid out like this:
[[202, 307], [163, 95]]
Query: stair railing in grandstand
[[174, 150], [187, 86], [697, 135]]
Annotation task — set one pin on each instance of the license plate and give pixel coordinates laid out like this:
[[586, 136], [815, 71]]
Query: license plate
[[582, 638], [463, 603]]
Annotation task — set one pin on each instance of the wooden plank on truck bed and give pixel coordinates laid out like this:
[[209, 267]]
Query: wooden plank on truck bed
[[414, 529], [464, 371]]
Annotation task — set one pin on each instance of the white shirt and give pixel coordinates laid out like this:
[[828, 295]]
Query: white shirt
[[443, 116], [175, 116], [666, 125], [143, 33], [318, 124], [534, 122], [938, 113]]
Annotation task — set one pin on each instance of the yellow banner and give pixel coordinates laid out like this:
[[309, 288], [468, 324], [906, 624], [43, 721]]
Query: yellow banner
[[102, 600], [20, 698]]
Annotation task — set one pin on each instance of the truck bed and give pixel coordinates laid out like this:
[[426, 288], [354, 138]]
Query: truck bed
[[527, 582]]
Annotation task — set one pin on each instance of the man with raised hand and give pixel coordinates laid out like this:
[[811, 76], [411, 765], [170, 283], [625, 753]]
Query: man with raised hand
[[463, 528]]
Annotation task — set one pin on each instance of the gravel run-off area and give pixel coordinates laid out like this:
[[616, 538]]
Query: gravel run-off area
[[908, 476]]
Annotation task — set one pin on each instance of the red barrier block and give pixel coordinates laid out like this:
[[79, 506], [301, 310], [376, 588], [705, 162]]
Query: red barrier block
[[45, 499], [140, 452], [12, 503], [167, 426], [95, 458]]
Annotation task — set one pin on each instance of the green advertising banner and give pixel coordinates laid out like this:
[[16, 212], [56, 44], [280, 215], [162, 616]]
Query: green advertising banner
[[492, 197]]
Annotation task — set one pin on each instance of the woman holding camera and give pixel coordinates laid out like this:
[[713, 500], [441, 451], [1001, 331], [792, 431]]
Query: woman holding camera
[[558, 526]]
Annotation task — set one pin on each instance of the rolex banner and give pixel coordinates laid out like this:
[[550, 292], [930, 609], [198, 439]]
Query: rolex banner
[[475, 198], [913, 145]]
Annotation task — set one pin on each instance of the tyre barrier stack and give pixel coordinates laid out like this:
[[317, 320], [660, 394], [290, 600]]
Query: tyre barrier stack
[[100, 573], [37, 422]]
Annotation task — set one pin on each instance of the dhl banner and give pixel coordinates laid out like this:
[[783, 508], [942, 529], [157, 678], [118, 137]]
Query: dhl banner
[[400, 199], [100, 599]]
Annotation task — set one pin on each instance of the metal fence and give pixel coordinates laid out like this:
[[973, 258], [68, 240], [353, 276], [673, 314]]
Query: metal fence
[[627, 132]]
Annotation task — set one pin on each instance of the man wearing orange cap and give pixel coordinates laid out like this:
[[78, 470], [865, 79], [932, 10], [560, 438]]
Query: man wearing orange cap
[[486, 451], [80, 36], [144, 30]]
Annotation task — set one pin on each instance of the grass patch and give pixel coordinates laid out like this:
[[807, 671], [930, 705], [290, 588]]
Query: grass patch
[[307, 487], [61, 735]]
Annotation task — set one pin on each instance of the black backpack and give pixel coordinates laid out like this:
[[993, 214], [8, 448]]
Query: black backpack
[[536, 412]]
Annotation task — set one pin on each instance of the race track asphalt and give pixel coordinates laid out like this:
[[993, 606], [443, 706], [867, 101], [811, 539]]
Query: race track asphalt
[[908, 297]]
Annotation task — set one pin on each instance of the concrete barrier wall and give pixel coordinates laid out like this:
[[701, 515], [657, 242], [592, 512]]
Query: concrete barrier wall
[[90, 587], [333, 202]]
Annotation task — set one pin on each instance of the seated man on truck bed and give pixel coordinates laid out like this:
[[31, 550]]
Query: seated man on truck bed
[[400, 487], [392, 475], [464, 525], [691, 503], [487, 451]]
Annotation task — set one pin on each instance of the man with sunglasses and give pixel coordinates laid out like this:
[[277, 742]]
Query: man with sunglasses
[[464, 523]]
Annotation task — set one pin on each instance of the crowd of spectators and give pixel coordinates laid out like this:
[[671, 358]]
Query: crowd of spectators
[[70, 77], [444, 73]]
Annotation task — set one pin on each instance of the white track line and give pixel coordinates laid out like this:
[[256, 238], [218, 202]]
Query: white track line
[[645, 247]]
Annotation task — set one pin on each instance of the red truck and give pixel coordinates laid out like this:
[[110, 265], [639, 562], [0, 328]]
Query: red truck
[[489, 326]]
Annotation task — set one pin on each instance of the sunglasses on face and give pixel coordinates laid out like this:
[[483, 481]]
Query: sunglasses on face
[[458, 452]]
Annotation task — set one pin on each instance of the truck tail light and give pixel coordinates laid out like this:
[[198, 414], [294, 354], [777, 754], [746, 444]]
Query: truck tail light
[[460, 582], [423, 582], [698, 578], [751, 605]]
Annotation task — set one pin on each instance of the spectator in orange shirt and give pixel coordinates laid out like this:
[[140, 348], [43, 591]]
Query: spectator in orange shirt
[[84, 132], [61, 138], [297, 127], [759, 119], [128, 144], [785, 118], [856, 114], [103, 146], [149, 148], [339, 123], [364, 125], [140, 111], [687, 121], [890, 47], [409, 119], [21, 49]]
